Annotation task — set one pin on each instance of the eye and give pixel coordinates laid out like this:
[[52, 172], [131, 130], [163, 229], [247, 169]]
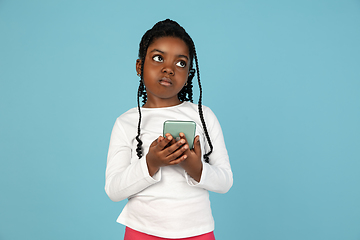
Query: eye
[[158, 58], [181, 64]]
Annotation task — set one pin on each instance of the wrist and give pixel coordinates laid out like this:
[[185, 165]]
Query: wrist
[[194, 170], [151, 167]]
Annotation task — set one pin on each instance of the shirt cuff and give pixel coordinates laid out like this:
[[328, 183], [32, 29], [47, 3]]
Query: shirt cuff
[[154, 179], [192, 182]]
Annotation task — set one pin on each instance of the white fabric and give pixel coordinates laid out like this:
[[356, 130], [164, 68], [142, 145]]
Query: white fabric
[[170, 204]]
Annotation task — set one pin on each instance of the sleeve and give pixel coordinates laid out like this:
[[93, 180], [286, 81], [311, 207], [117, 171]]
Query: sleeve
[[124, 177], [216, 175]]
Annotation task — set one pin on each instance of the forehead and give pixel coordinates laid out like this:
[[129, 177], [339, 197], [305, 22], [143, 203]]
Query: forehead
[[169, 45]]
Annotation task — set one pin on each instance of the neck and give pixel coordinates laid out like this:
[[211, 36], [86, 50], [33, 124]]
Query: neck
[[161, 103]]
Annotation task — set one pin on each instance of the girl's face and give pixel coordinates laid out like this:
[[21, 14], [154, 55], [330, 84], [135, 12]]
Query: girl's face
[[166, 71]]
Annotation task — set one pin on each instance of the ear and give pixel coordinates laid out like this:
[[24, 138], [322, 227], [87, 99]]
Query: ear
[[138, 66]]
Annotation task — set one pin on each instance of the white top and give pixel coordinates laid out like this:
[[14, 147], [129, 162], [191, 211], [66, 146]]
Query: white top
[[170, 204]]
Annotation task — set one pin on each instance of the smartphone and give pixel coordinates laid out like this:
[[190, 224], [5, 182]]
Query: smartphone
[[176, 127]]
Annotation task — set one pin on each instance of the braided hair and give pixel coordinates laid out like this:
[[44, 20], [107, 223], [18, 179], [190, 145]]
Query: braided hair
[[169, 28]]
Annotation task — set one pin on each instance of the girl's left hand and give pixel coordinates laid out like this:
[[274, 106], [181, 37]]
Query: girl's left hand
[[192, 164]]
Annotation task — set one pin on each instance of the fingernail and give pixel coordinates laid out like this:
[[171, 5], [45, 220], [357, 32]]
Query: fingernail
[[186, 147]]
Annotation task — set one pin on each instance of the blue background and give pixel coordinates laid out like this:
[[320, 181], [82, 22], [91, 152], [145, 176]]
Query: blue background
[[282, 76]]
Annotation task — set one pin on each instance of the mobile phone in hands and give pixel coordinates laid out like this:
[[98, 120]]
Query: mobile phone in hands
[[175, 127]]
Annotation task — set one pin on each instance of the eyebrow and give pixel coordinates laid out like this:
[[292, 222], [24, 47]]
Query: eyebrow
[[157, 50]]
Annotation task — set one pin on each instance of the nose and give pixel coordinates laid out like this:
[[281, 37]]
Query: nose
[[168, 69]]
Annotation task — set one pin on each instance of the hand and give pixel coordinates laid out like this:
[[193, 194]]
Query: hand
[[192, 164], [165, 151]]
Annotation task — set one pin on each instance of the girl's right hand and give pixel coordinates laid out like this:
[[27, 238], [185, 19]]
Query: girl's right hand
[[164, 152]]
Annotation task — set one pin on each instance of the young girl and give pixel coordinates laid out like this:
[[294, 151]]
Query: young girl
[[166, 183]]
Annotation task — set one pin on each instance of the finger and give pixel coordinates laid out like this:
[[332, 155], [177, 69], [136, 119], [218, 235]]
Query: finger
[[182, 136], [164, 141], [154, 143], [160, 138], [173, 139], [178, 160], [173, 148], [178, 153]]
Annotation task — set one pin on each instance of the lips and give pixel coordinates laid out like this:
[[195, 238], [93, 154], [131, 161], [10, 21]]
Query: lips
[[165, 81]]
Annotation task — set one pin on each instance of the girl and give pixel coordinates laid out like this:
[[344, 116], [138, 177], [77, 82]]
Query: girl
[[165, 182]]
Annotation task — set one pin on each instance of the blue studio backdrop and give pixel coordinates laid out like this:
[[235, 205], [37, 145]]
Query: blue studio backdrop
[[282, 77]]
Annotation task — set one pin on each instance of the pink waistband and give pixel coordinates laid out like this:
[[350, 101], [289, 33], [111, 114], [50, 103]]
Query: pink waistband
[[131, 234]]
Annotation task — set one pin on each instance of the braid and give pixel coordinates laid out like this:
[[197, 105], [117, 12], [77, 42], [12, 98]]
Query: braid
[[142, 85], [206, 155], [186, 93], [141, 93], [138, 148], [190, 92]]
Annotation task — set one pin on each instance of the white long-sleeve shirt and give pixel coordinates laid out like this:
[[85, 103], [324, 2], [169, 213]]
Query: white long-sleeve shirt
[[170, 204]]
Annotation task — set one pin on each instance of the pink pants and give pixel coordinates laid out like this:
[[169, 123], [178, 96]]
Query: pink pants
[[131, 234]]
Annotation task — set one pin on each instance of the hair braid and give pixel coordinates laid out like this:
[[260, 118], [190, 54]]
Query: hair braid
[[189, 91], [206, 155], [186, 93], [138, 148], [141, 93]]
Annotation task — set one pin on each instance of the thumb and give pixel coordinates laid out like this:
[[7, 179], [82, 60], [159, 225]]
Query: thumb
[[197, 147]]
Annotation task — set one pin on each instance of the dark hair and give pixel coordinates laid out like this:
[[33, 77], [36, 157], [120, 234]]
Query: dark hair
[[169, 28]]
